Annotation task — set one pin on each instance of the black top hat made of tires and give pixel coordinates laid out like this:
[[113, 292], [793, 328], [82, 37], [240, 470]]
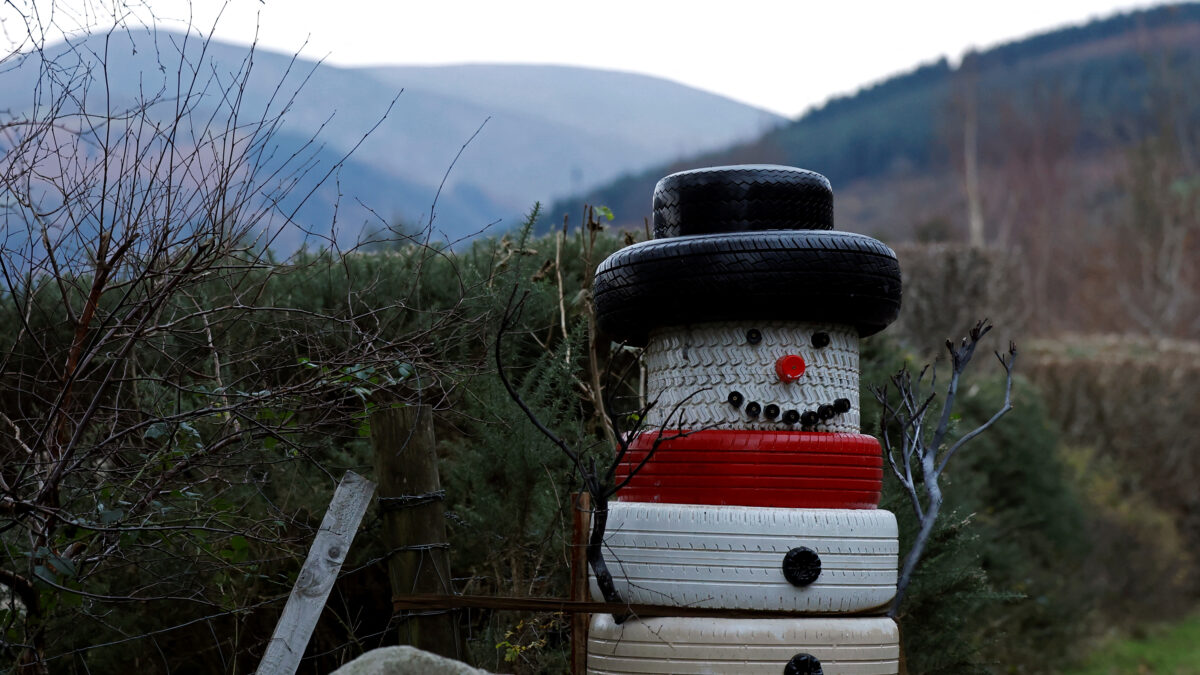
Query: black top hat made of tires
[[751, 242]]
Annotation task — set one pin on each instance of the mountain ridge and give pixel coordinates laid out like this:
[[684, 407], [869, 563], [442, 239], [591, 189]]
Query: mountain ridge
[[534, 143]]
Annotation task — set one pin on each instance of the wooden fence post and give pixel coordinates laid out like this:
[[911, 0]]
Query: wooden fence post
[[581, 508], [320, 570], [414, 527]]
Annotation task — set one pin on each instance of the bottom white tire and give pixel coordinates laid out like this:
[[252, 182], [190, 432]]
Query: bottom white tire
[[702, 646], [737, 557]]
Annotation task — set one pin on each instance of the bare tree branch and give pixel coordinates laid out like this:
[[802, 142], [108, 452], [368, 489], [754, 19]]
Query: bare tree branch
[[928, 447]]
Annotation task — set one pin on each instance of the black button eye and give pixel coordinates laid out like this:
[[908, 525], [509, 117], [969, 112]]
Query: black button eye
[[771, 411], [820, 339], [753, 336], [735, 399], [791, 417], [753, 408]]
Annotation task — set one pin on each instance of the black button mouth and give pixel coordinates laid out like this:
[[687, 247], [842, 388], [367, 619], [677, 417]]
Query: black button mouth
[[807, 419]]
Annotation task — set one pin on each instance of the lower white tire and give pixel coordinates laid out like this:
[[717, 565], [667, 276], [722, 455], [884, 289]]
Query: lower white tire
[[695, 646], [742, 557]]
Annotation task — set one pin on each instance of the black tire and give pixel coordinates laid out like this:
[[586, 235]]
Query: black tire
[[834, 277], [747, 198]]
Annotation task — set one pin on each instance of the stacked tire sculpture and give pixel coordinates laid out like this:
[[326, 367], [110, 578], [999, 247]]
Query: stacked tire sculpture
[[764, 493]]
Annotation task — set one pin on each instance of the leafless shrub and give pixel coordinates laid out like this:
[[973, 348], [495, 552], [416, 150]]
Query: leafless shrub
[[947, 285], [161, 374]]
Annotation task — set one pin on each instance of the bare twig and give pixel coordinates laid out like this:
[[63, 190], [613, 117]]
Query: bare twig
[[929, 447]]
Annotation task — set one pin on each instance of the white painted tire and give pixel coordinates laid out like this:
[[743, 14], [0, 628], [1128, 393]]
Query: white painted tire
[[732, 556], [691, 371], [694, 646]]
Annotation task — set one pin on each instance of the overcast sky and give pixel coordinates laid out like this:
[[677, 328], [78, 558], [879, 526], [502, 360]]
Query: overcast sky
[[782, 55]]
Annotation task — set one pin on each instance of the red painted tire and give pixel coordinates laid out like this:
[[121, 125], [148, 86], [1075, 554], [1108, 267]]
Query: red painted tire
[[780, 469]]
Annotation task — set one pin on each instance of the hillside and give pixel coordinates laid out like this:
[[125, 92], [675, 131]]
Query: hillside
[[893, 150], [549, 131]]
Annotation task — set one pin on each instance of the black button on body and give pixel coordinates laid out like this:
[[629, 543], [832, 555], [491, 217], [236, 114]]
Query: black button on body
[[735, 399], [841, 405], [809, 418], [801, 566], [771, 411], [803, 664], [820, 340], [753, 336], [753, 408], [825, 412], [791, 417]]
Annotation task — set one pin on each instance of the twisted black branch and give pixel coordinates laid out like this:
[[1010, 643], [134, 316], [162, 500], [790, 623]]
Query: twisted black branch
[[908, 419]]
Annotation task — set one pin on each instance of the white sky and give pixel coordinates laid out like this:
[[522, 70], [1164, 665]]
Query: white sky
[[781, 55]]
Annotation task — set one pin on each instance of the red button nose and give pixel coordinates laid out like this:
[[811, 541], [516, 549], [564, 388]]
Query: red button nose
[[789, 368]]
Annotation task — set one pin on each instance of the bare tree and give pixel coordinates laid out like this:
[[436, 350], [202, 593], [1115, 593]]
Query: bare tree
[[966, 86], [918, 453], [1157, 228], [160, 374]]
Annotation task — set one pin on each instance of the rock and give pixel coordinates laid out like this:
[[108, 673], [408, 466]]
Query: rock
[[405, 660]]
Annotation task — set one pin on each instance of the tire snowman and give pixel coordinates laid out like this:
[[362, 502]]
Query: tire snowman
[[750, 308]]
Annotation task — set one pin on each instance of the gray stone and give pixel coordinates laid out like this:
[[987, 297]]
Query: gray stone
[[405, 661]]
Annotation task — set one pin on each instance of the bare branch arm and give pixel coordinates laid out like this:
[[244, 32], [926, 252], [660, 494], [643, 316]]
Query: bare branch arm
[[1008, 365]]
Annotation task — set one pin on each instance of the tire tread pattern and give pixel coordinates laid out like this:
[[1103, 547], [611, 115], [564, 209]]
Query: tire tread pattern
[[743, 198], [692, 646], [731, 557], [835, 277]]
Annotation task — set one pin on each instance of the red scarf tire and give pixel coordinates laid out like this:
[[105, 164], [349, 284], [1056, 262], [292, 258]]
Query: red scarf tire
[[779, 469]]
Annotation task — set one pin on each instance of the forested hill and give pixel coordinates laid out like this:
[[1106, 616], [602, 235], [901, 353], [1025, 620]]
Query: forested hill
[[1096, 84]]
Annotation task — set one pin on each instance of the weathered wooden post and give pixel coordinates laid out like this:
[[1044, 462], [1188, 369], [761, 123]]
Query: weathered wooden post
[[414, 527], [317, 576]]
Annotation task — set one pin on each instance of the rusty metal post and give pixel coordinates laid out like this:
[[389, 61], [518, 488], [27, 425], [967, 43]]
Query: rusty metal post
[[581, 510]]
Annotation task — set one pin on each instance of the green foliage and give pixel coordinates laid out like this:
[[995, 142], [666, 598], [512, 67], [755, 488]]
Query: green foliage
[[995, 588], [998, 588], [1135, 461], [1162, 649], [508, 486]]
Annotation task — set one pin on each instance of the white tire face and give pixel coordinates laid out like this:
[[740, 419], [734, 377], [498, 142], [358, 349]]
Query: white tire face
[[691, 370], [732, 556], [694, 646]]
